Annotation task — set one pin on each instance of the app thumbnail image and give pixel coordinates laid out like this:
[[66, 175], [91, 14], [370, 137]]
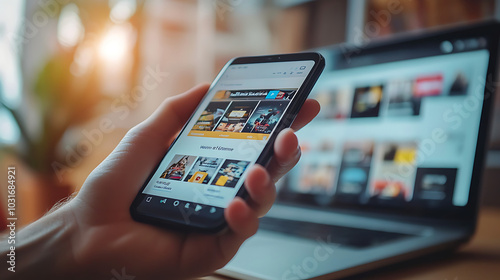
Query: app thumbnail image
[[203, 170], [354, 170], [230, 173], [335, 103], [402, 102], [178, 167], [428, 85], [357, 153], [222, 94], [352, 182], [394, 171], [391, 182], [265, 117], [317, 178], [210, 116], [236, 116], [434, 186], [399, 153], [366, 101], [281, 94], [459, 85]]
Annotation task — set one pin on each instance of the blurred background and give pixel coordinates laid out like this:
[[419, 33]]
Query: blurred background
[[72, 72]]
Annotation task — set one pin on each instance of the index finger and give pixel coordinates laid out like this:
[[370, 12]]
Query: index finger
[[306, 114]]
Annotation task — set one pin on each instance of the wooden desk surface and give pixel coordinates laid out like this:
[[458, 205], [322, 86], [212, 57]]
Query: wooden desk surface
[[479, 259]]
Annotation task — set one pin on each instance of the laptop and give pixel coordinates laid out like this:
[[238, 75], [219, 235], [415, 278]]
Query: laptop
[[392, 165]]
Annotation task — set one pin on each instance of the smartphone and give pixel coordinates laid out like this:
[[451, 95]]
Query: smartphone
[[251, 100]]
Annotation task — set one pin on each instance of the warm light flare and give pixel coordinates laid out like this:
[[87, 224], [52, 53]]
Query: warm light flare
[[70, 30], [122, 10], [114, 45]]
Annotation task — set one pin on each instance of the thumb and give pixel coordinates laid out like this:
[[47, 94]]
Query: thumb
[[128, 166]]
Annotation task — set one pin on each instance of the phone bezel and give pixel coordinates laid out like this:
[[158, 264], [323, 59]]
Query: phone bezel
[[218, 223]]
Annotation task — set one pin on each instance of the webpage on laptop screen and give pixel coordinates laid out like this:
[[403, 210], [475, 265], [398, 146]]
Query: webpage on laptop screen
[[398, 133]]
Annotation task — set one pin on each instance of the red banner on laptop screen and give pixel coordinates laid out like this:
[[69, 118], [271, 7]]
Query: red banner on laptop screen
[[430, 85]]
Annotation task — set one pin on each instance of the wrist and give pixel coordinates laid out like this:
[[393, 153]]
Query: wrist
[[52, 235], [65, 263]]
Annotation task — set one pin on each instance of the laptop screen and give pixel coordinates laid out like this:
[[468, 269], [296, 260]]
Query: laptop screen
[[398, 127]]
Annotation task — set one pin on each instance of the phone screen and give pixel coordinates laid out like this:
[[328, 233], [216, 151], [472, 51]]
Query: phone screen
[[206, 166]]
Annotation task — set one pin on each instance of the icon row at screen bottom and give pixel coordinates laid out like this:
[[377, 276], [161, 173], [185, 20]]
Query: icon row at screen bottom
[[180, 204]]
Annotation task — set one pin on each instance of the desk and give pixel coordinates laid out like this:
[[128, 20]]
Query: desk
[[478, 259]]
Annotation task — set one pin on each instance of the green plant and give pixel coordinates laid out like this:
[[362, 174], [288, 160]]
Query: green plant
[[62, 100]]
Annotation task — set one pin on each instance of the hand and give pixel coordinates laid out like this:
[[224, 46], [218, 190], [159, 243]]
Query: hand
[[105, 237]]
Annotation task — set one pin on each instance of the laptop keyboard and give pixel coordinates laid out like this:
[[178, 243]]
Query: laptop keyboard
[[343, 236]]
